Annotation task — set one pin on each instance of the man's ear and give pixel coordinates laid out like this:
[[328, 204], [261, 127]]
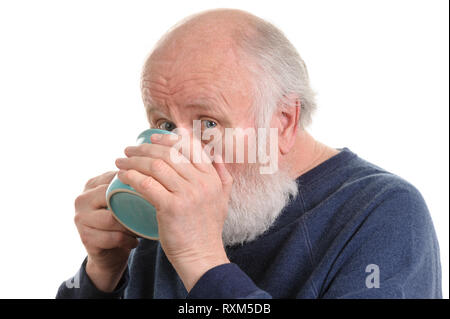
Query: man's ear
[[286, 119]]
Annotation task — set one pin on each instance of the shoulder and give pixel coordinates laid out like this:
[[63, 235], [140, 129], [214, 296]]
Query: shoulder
[[377, 186], [387, 206], [371, 196], [357, 194]]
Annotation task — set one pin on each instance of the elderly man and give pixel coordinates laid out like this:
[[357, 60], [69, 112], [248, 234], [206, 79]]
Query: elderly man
[[326, 224]]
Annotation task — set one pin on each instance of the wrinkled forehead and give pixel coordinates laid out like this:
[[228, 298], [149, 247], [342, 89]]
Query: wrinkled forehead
[[177, 58], [213, 66]]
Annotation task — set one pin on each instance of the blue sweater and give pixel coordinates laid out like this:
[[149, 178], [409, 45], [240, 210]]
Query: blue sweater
[[354, 231]]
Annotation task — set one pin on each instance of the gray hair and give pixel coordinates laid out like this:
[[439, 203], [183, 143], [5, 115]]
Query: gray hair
[[278, 71]]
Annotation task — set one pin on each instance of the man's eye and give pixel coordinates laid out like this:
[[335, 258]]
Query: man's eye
[[208, 124], [167, 126]]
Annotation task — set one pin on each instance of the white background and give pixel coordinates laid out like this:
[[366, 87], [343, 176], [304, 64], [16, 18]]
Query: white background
[[70, 103]]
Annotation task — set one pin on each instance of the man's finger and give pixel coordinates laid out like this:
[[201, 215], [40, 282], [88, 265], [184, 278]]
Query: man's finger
[[147, 186], [182, 165], [107, 239], [156, 168], [105, 178], [102, 219], [92, 199], [224, 175], [197, 155]]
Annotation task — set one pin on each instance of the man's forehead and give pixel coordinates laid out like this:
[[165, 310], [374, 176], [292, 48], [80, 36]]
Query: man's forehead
[[199, 84], [217, 62], [207, 76], [197, 103]]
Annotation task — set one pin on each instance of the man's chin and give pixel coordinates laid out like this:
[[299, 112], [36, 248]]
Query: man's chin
[[255, 203]]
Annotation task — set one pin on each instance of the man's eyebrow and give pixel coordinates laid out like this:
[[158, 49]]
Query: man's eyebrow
[[155, 109], [200, 105], [205, 105]]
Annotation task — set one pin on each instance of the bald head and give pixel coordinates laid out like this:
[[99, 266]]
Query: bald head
[[208, 38], [213, 28], [244, 54]]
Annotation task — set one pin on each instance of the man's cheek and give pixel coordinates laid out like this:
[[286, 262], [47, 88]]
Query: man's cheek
[[234, 169], [268, 152]]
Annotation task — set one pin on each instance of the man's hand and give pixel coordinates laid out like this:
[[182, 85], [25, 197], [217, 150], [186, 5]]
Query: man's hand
[[107, 243], [191, 201]]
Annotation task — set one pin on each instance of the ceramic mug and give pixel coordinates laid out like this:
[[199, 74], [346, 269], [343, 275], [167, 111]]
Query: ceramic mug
[[128, 206]]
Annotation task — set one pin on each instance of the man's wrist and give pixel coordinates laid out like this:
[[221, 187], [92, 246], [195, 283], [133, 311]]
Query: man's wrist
[[105, 281], [190, 271]]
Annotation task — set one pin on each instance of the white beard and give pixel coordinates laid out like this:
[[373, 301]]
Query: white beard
[[255, 203]]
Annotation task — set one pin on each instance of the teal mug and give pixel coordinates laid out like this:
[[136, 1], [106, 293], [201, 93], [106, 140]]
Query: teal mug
[[130, 209]]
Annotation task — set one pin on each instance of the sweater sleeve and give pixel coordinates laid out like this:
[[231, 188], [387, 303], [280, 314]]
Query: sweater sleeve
[[226, 281], [80, 286], [393, 254]]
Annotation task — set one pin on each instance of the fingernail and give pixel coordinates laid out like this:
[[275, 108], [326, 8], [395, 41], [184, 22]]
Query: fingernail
[[156, 137]]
